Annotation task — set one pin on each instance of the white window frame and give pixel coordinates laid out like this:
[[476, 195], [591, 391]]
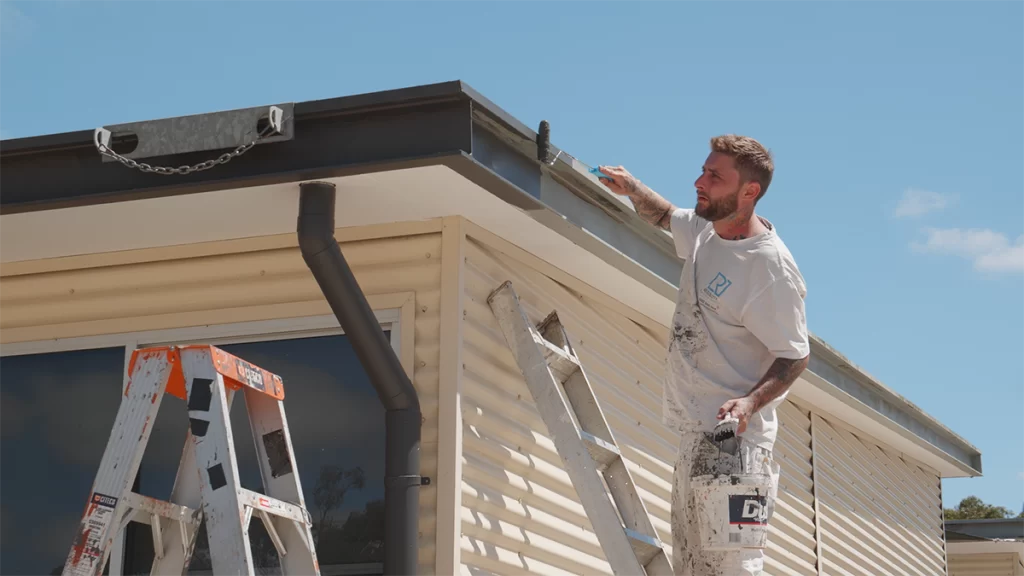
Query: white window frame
[[234, 333], [213, 334]]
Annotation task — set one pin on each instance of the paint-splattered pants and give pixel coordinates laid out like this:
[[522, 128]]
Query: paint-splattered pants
[[699, 456]]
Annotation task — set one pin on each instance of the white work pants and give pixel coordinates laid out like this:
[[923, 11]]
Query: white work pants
[[698, 456]]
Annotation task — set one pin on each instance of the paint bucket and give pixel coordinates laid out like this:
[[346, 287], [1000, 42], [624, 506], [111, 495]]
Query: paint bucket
[[732, 510]]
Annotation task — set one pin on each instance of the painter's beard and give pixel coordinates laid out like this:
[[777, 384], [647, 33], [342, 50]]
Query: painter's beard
[[719, 209]]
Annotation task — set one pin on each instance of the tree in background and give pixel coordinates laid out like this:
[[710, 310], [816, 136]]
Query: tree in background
[[972, 508], [329, 493]]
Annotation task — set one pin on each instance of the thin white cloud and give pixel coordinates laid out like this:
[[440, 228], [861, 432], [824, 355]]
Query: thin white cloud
[[916, 202], [990, 251], [14, 24]]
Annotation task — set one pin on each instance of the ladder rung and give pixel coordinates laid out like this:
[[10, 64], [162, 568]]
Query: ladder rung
[[144, 508], [644, 546], [602, 452], [560, 362], [273, 506]]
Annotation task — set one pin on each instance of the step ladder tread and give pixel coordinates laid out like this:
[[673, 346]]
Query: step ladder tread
[[145, 507], [274, 506]]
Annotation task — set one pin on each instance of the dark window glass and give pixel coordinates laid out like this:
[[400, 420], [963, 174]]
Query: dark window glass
[[337, 428], [56, 411]]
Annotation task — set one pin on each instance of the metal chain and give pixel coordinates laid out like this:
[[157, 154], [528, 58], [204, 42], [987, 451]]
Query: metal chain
[[204, 165]]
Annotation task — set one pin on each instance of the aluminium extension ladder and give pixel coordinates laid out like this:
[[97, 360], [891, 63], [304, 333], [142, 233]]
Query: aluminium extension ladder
[[584, 440], [207, 483]]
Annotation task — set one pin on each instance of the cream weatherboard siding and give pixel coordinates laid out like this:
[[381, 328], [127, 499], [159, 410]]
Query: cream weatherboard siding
[[791, 543], [880, 514], [519, 510], [846, 503], [238, 286], [872, 511]]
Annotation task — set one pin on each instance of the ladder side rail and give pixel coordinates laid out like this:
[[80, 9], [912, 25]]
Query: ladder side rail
[[591, 418], [620, 481], [618, 478], [119, 465], [554, 409], [179, 542], [279, 471], [216, 460]]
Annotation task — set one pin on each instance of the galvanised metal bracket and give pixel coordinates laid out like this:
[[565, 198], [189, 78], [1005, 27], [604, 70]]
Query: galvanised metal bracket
[[240, 128]]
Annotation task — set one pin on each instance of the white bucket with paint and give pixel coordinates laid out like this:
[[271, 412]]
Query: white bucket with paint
[[732, 510]]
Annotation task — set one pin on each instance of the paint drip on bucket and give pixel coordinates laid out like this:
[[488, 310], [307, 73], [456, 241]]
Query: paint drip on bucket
[[731, 504]]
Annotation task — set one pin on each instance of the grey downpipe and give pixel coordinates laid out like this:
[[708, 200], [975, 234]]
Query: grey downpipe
[[402, 417]]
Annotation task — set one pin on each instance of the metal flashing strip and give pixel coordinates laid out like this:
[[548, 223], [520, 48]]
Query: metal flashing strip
[[37, 177], [446, 123], [987, 528], [830, 366], [567, 184], [590, 221], [572, 202]]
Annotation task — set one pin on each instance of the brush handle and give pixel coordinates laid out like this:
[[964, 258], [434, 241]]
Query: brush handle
[[597, 172]]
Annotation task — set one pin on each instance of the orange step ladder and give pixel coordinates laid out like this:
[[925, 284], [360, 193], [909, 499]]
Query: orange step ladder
[[207, 486]]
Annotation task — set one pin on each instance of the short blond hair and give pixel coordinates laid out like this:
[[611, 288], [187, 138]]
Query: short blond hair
[[753, 161]]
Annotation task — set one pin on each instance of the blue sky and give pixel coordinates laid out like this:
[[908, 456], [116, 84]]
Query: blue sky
[[896, 128]]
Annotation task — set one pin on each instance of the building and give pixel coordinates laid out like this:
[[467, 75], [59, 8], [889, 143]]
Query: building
[[988, 547], [440, 198]]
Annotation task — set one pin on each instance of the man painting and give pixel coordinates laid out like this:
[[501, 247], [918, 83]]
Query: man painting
[[739, 333]]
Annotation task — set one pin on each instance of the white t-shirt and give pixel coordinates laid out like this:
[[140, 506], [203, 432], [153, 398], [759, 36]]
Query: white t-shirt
[[740, 306]]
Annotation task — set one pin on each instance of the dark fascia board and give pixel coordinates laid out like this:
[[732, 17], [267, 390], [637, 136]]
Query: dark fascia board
[[952, 536], [312, 109], [836, 369], [578, 197], [987, 528], [334, 137], [447, 123]]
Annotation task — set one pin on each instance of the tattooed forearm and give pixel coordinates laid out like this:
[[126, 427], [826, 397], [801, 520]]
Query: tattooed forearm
[[649, 205], [776, 380]]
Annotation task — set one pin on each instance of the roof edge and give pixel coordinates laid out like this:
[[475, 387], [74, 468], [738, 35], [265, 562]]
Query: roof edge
[[842, 364], [564, 187], [978, 521], [377, 100], [574, 176]]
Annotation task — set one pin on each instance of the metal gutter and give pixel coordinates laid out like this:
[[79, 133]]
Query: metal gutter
[[837, 370], [447, 123], [987, 528], [572, 175], [403, 418], [401, 98], [578, 208], [331, 138], [590, 209]]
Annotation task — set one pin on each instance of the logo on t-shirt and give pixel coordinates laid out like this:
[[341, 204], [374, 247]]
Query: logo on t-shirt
[[719, 284]]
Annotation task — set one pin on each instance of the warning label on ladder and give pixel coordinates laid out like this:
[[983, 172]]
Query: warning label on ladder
[[91, 531]]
